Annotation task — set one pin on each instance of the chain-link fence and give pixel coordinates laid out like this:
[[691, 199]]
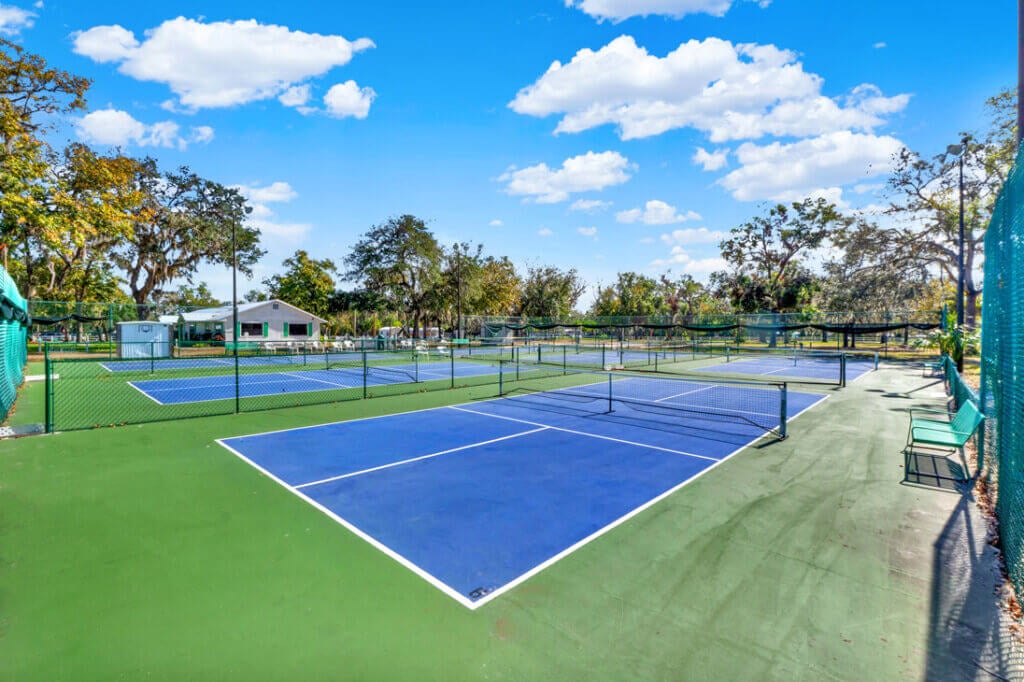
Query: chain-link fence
[[1002, 368], [143, 382], [13, 325]]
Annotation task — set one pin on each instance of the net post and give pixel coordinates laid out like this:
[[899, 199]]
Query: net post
[[783, 411], [365, 372], [603, 363], [655, 362], [564, 360], [610, 410], [539, 346], [416, 368], [327, 358], [842, 370], [728, 355], [876, 360], [501, 378]]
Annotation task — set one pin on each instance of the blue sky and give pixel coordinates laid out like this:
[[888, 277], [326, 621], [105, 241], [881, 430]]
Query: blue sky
[[579, 133]]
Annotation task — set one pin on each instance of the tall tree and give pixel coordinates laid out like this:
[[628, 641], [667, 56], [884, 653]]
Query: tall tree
[[185, 220], [33, 96], [91, 202], [631, 294], [306, 283], [550, 292], [188, 296], [765, 252], [925, 196], [401, 260]]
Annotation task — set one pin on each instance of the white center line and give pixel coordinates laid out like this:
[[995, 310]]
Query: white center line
[[420, 458]]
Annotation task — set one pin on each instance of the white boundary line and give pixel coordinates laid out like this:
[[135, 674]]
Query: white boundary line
[[418, 459], [462, 599], [132, 384]]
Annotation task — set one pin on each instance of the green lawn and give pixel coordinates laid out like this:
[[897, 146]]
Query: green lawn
[[149, 552]]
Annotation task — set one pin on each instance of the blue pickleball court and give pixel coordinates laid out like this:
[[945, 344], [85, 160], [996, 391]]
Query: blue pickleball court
[[477, 498]]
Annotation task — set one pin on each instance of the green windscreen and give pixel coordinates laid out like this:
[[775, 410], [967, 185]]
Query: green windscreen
[[1002, 368], [13, 326]]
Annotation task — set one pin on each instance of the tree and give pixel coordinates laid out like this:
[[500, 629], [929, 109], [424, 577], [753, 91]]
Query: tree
[[187, 296], [32, 97], [184, 221], [500, 288], [631, 294], [925, 197], [764, 253], [686, 296], [90, 201], [401, 260], [871, 271], [306, 284], [254, 295], [550, 292]]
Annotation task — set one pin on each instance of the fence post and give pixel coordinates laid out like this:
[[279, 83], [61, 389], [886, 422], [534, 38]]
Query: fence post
[[453, 368], [564, 361], [842, 370], [238, 397], [501, 378], [365, 371], [48, 388], [152, 358]]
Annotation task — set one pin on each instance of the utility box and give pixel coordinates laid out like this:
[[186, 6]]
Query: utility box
[[144, 340]]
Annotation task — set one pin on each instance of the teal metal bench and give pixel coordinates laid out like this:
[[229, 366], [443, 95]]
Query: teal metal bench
[[952, 432]]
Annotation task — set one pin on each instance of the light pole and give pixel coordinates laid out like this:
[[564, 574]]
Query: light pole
[[958, 150], [458, 293], [234, 309]]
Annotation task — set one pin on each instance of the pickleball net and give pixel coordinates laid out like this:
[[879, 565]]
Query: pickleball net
[[761, 404]]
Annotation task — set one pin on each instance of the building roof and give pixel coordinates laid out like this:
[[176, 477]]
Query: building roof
[[223, 313]]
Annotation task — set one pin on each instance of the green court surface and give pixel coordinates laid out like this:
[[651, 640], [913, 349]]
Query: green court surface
[[149, 552]]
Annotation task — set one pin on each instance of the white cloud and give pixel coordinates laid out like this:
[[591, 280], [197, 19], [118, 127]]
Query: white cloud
[[496, 223], [544, 232], [728, 91], [295, 96], [879, 45], [589, 205], [201, 134], [700, 235], [585, 173], [789, 172], [647, 240], [219, 64], [119, 128], [14, 19], [348, 99], [619, 10], [711, 161], [275, 192], [655, 212], [676, 256], [693, 266], [868, 188], [258, 197], [588, 232], [703, 266]]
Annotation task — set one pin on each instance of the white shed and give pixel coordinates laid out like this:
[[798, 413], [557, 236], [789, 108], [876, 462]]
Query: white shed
[[261, 321], [144, 339]]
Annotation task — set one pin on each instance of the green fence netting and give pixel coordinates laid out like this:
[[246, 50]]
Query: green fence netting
[[13, 325], [1002, 368]]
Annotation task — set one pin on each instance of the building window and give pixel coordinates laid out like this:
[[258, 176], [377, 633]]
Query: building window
[[252, 328], [297, 329]]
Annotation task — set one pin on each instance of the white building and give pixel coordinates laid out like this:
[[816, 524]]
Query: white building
[[262, 321]]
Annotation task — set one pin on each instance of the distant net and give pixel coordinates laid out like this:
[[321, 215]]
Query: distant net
[[760, 405]]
